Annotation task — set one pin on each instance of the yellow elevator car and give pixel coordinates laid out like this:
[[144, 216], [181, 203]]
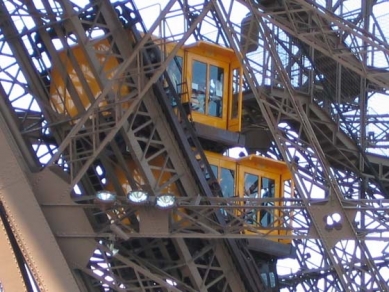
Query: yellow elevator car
[[209, 79]]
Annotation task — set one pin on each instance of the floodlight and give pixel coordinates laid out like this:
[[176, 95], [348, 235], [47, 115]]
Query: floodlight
[[165, 201], [138, 197], [106, 196]]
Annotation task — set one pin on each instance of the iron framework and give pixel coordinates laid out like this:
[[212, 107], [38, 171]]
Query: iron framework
[[311, 80]]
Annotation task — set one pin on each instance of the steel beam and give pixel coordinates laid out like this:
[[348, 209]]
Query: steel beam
[[28, 222], [333, 202], [11, 277], [323, 37]]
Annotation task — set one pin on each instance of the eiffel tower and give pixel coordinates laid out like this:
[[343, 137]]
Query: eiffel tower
[[84, 88]]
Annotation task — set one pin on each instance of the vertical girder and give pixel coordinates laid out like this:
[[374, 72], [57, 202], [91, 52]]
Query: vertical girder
[[319, 34], [73, 27], [332, 201], [11, 274], [29, 225]]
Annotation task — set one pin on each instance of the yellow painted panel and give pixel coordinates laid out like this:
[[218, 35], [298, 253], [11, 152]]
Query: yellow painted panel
[[86, 85]]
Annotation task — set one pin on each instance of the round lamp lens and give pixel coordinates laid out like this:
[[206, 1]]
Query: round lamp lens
[[106, 196], [137, 197], [166, 201]]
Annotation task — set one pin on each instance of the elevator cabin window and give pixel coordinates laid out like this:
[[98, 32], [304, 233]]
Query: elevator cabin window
[[265, 216], [214, 79], [226, 179], [207, 89], [236, 90], [267, 191], [174, 70]]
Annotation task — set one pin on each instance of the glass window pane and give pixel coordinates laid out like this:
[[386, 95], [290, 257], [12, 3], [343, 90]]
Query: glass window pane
[[227, 182], [251, 191], [267, 185], [199, 77], [267, 191], [175, 72], [272, 279], [251, 185], [264, 279], [215, 100], [235, 93], [214, 170]]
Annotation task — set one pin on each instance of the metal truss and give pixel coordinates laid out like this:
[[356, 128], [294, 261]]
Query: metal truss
[[81, 145], [197, 219], [307, 151], [308, 83], [333, 36], [139, 260]]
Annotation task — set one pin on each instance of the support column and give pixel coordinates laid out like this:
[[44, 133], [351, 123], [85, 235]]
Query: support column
[[11, 278], [29, 225]]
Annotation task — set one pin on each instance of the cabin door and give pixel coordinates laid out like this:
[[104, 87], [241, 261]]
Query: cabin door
[[260, 188]]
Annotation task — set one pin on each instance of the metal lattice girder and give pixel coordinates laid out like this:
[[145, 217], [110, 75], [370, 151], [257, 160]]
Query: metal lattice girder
[[88, 124], [361, 219], [347, 181], [137, 92], [341, 123], [117, 270], [325, 32], [323, 206], [339, 148], [107, 266], [197, 219], [158, 139], [343, 93]]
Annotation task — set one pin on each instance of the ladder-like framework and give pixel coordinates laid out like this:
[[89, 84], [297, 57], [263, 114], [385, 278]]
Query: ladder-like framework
[[309, 82]]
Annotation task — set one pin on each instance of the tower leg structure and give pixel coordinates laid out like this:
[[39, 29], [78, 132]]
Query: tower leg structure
[[84, 90]]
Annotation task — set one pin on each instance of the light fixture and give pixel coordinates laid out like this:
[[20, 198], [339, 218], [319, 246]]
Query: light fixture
[[106, 197], [138, 197], [165, 201]]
